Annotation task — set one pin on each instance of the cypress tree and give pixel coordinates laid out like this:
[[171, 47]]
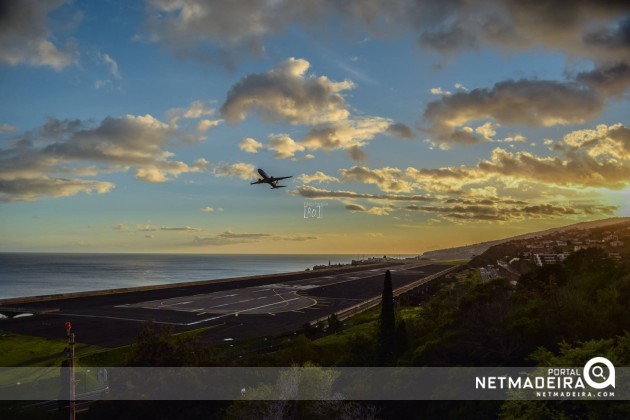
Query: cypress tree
[[387, 336]]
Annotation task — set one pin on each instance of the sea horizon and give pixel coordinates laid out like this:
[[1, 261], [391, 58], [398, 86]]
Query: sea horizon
[[24, 274]]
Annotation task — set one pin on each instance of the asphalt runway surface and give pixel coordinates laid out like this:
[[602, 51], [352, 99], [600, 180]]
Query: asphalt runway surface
[[234, 309]]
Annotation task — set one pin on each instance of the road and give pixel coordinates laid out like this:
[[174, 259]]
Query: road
[[234, 309]]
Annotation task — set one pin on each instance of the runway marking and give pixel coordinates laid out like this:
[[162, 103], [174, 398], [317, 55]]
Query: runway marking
[[339, 298], [121, 318], [219, 297], [258, 291], [180, 303], [230, 303]]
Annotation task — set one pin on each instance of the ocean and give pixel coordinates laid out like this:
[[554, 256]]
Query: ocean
[[32, 274]]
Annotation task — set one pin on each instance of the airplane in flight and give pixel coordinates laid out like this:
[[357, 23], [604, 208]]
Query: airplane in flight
[[266, 179]]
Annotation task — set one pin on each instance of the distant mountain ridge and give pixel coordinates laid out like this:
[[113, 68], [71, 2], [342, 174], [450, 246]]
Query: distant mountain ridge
[[468, 251]]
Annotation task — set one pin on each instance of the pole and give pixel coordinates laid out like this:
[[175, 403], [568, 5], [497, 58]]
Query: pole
[[72, 380]]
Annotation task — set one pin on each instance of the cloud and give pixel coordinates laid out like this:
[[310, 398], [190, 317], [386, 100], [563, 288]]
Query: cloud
[[357, 154], [63, 147], [439, 91], [112, 65], [522, 102], [401, 131], [180, 229], [587, 28], [377, 211], [25, 37], [31, 189], [608, 80], [318, 177], [197, 110], [152, 228], [207, 209], [295, 238], [239, 170], [597, 157], [250, 145], [7, 128], [346, 134], [205, 125], [287, 93], [231, 238], [387, 179], [121, 228], [312, 192], [497, 213], [284, 146]]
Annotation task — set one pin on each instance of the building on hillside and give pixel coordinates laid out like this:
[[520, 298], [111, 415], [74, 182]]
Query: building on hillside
[[549, 259], [616, 243]]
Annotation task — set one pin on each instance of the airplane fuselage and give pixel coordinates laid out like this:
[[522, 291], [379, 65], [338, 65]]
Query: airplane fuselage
[[266, 179]]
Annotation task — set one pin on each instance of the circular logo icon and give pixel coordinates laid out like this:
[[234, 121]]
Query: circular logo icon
[[596, 376]]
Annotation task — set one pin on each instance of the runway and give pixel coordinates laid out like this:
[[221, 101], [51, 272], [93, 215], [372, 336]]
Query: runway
[[235, 310]]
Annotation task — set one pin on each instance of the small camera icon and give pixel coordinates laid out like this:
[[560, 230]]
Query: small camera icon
[[313, 210]]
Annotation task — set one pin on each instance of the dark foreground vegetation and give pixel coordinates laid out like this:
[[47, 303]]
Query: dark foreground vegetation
[[558, 315]]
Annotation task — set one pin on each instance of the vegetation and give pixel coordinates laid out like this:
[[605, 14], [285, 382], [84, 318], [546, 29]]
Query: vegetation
[[387, 325], [22, 350], [557, 315]]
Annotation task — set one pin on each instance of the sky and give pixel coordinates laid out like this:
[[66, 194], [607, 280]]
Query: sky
[[406, 125]]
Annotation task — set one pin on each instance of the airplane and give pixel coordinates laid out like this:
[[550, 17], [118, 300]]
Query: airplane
[[266, 179]]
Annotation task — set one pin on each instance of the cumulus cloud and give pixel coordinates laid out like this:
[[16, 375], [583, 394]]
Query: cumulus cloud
[[80, 148], [506, 213], [205, 125], [287, 93], [199, 111], [585, 28], [250, 145], [608, 80], [284, 146], [529, 102], [238, 170], [207, 209], [346, 134], [387, 179], [25, 37], [318, 177], [439, 91], [377, 211], [598, 157]]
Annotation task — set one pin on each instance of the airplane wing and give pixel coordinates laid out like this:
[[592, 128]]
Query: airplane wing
[[278, 186], [260, 181], [283, 177]]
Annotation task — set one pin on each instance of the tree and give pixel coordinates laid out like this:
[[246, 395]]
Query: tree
[[334, 325], [387, 336]]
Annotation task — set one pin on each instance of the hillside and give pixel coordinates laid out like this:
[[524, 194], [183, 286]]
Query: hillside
[[469, 251]]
